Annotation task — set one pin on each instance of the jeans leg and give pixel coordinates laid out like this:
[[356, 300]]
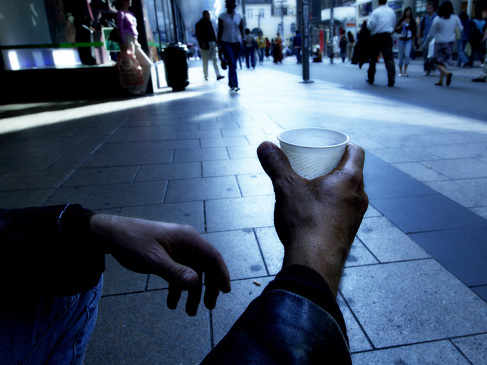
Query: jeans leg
[[401, 50], [53, 330], [204, 56], [252, 56], [407, 51]]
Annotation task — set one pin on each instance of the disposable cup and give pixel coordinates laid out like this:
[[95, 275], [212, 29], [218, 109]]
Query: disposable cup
[[313, 152]]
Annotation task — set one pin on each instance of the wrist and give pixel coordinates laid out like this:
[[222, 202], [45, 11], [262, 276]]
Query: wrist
[[101, 225], [326, 257]]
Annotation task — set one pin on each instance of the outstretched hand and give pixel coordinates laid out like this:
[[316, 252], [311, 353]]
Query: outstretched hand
[[177, 253], [317, 220]]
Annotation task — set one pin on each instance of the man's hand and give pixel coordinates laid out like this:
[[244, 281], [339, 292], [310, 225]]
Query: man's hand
[[174, 252], [317, 220]]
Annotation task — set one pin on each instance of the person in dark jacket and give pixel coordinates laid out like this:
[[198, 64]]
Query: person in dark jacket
[[361, 52], [53, 259], [205, 34]]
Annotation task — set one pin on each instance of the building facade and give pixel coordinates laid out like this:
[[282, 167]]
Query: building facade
[[272, 17]]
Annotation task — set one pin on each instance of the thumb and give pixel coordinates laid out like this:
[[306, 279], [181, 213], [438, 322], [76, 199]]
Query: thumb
[[176, 274], [274, 162]]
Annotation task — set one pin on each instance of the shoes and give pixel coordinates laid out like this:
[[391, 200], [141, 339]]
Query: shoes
[[224, 65], [448, 79], [370, 82], [480, 79], [439, 83], [218, 78], [206, 78], [390, 84], [236, 89]]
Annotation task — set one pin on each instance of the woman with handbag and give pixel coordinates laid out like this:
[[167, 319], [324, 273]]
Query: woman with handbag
[[134, 65]]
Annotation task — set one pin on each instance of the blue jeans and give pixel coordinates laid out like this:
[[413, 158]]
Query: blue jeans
[[231, 52], [51, 330], [404, 51], [261, 55], [462, 57], [250, 57]]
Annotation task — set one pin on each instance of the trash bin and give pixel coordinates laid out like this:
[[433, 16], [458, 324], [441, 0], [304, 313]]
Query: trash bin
[[176, 65]]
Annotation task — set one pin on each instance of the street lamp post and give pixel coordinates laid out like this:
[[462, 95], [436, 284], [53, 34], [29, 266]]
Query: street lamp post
[[303, 21], [332, 30]]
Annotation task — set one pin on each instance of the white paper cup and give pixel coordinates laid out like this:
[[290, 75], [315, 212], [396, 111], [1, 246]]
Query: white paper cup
[[313, 152]]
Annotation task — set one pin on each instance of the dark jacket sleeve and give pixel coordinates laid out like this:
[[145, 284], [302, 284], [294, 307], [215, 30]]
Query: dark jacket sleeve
[[49, 250], [296, 320]]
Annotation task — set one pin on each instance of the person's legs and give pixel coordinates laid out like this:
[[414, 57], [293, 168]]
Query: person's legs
[[52, 330], [386, 48], [146, 64], [247, 57], [401, 49], [231, 57], [374, 53], [407, 52], [212, 56], [252, 57], [205, 53]]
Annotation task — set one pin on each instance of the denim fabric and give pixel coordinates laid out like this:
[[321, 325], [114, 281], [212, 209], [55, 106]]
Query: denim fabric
[[250, 57], [404, 51], [462, 57], [49, 330], [231, 52]]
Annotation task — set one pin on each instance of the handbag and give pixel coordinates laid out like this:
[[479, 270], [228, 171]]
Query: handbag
[[130, 71]]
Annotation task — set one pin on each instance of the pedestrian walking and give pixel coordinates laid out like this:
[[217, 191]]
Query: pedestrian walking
[[361, 51], [249, 46], [483, 78], [230, 35], [130, 49], [443, 31], [477, 29], [205, 34], [343, 45], [424, 29], [261, 44], [381, 24], [267, 47], [350, 45], [462, 40], [406, 27], [297, 45], [277, 49]]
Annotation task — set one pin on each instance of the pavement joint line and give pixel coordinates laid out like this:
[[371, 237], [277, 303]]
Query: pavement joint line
[[147, 282], [260, 251], [238, 185], [417, 343], [369, 340], [134, 180], [212, 332], [367, 247], [460, 351], [205, 226]]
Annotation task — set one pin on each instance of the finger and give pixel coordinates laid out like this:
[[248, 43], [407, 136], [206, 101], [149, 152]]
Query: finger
[[194, 298], [173, 296], [353, 159], [211, 295], [274, 162], [210, 261]]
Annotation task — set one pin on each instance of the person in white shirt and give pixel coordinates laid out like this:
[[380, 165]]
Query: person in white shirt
[[230, 36], [381, 24], [443, 31]]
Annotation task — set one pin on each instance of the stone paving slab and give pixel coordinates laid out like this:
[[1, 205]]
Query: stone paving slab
[[169, 171], [117, 154], [407, 302], [202, 154], [433, 353], [24, 198], [255, 184], [119, 280], [111, 196], [100, 176], [139, 329], [387, 242], [231, 214], [469, 193], [474, 347], [191, 213], [231, 167], [202, 189]]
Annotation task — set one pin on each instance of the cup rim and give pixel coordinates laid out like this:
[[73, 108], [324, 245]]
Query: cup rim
[[345, 142]]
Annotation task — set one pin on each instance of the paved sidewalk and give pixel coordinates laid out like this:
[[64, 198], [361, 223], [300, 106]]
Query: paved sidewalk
[[190, 157]]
